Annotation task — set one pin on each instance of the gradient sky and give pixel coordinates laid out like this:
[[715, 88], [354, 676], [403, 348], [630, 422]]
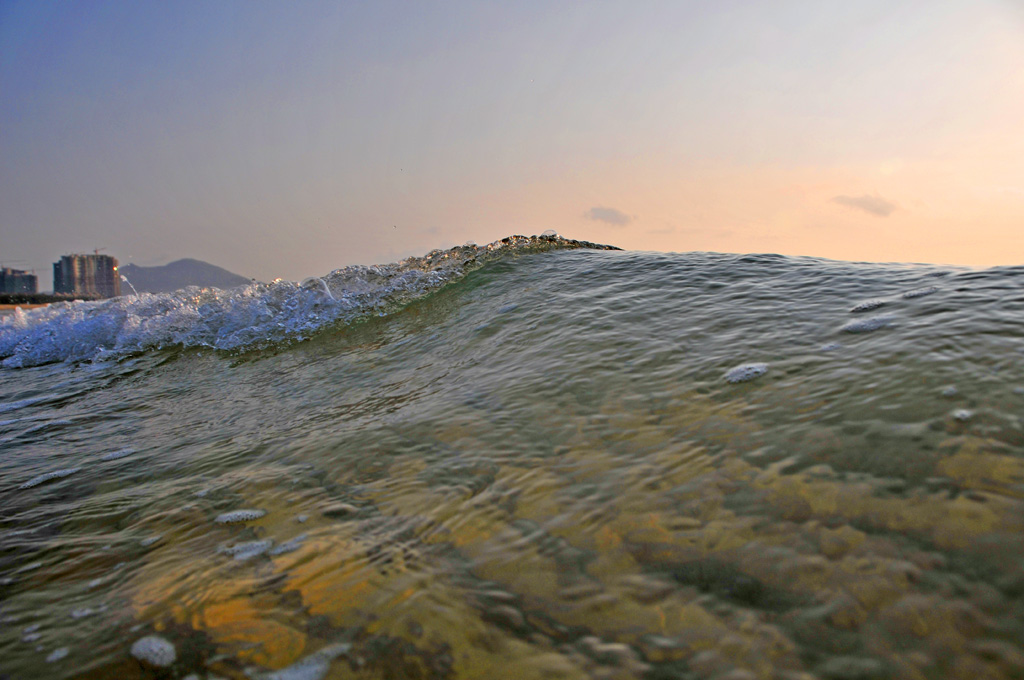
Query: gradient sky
[[286, 139]]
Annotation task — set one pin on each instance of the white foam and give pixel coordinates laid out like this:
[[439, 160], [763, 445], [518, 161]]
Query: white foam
[[866, 325], [57, 655], [868, 305], [155, 651], [236, 516], [289, 546], [115, 455], [920, 292], [745, 372], [21, 403], [313, 667], [963, 415], [245, 551], [56, 474]]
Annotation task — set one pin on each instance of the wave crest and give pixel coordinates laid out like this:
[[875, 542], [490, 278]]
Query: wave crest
[[249, 317]]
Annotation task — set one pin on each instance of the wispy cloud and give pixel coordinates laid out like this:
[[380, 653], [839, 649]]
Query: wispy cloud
[[876, 205], [609, 215]]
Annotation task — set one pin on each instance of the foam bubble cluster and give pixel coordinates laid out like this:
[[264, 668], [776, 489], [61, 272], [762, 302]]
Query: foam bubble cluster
[[236, 516], [745, 372], [116, 455], [154, 650], [313, 667], [867, 305], [866, 325], [245, 551], [920, 292], [57, 654], [42, 479], [289, 546]]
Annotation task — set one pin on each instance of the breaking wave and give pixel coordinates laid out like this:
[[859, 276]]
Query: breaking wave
[[249, 317]]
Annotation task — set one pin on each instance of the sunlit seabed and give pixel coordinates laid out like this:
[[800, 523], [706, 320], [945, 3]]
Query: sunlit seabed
[[523, 461]]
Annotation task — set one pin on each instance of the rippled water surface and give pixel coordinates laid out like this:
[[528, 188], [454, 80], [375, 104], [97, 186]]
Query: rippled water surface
[[562, 464]]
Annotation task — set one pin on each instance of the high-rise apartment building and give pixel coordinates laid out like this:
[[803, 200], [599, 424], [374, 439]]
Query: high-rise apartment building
[[17, 281], [87, 275]]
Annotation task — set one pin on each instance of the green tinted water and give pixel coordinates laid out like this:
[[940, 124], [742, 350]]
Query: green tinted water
[[543, 471]]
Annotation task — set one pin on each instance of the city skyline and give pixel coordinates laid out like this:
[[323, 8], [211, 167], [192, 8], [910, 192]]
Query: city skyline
[[290, 139]]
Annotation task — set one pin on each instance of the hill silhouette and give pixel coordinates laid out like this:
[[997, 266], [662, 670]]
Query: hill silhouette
[[177, 275]]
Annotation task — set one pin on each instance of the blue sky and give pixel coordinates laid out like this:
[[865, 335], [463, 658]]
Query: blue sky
[[288, 139]]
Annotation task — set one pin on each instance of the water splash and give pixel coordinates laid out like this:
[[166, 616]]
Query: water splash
[[125, 279]]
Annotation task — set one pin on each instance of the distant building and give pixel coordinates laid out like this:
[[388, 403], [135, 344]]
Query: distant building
[[87, 275], [17, 281]]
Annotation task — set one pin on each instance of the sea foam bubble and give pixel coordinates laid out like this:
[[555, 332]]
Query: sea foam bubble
[[866, 325], [745, 372], [867, 305], [313, 667], [920, 292], [289, 546], [245, 551], [155, 651], [236, 516], [116, 455], [42, 479]]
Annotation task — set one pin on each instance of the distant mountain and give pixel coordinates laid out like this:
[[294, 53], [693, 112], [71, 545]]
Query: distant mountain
[[178, 275]]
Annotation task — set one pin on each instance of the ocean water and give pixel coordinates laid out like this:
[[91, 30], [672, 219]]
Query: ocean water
[[533, 459]]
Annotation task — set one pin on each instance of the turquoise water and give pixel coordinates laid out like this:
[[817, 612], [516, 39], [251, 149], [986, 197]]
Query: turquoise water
[[525, 460]]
